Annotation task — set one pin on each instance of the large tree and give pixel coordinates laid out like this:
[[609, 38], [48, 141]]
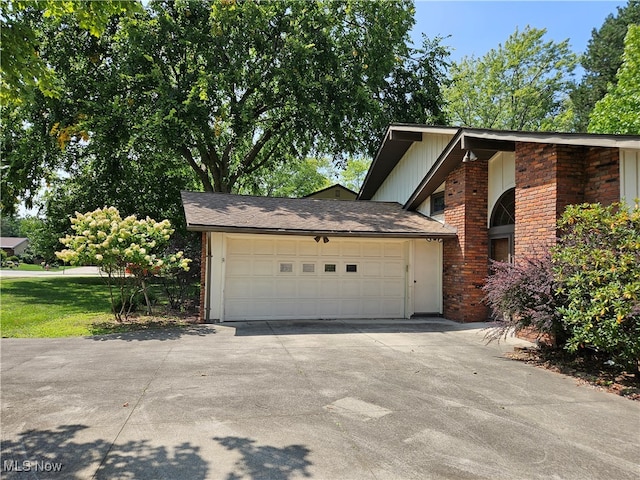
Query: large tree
[[237, 91], [521, 85], [233, 87], [601, 61], [619, 111]]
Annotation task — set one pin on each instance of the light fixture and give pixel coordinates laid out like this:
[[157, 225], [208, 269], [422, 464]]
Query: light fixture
[[469, 157], [325, 239], [317, 238]]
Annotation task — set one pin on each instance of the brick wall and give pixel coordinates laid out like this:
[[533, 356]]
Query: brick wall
[[550, 177], [466, 257], [602, 176]]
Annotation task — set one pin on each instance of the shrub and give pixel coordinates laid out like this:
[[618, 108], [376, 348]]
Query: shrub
[[597, 267], [128, 250], [523, 295]]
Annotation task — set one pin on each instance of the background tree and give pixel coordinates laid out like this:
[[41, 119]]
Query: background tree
[[294, 178], [619, 111], [522, 85], [601, 62]]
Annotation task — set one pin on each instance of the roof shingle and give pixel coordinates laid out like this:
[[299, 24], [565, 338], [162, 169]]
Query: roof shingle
[[239, 213]]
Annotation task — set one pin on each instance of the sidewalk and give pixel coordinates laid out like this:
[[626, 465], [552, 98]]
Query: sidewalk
[[67, 272]]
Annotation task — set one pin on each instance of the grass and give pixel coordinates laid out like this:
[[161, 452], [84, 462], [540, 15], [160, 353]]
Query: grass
[[63, 307]]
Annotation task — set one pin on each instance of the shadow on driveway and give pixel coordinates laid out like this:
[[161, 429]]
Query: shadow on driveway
[[330, 327], [55, 453], [162, 334], [265, 461]]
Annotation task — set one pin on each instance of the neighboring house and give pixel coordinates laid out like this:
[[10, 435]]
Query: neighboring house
[[14, 245], [436, 205], [334, 192]]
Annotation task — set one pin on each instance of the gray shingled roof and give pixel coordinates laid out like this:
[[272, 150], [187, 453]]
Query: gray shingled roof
[[11, 242], [223, 212]]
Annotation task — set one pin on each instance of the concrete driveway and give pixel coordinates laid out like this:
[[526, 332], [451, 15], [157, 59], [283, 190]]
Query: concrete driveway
[[291, 400]]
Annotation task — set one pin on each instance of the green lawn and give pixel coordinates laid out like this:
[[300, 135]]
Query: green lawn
[[52, 307], [65, 307]]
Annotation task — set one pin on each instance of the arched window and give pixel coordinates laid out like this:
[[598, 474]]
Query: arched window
[[502, 227], [504, 212]]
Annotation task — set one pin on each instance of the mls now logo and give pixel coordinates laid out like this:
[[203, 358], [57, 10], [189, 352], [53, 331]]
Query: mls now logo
[[29, 466]]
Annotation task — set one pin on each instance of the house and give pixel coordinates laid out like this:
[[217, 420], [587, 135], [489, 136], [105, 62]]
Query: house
[[14, 245], [334, 192], [436, 205]]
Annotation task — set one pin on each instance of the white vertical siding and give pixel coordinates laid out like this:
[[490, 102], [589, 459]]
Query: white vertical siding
[[502, 177], [425, 207], [629, 175], [411, 169]]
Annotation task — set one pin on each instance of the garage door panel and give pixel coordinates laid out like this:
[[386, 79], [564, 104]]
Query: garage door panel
[[349, 288], [263, 267], [257, 286], [261, 288], [329, 289], [371, 268], [393, 250], [286, 288], [331, 249], [351, 250], [372, 288], [393, 270], [372, 250], [240, 266], [350, 307], [240, 247], [392, 289], [391, 307], [264, 247], [286, 247]]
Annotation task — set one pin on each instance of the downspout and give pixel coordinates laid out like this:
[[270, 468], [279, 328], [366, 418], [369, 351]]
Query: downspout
[[207, 281]]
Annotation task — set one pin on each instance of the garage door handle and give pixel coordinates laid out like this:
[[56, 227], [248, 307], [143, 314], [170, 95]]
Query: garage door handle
[[415, 281]]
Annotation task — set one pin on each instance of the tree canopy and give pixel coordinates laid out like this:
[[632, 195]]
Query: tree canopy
[[235, 90], [601, 62], [521, 85], [619, 111], [21, 64]]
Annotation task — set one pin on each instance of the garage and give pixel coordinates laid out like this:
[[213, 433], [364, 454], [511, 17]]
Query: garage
[[290, 278], [269, 258]]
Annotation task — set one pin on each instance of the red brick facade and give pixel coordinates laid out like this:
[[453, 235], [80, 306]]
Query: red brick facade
[[548, 177], [465, 258]]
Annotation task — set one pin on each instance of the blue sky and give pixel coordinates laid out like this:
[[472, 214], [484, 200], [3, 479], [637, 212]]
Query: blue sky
[[478, 26]]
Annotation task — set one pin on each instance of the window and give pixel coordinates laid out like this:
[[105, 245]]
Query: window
[[329, 267], [502, 227], [437, 203], [286, 267], [352, 267], [308, 267]]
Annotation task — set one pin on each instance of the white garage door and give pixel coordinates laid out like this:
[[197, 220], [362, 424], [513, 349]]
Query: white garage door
[[297, 278]]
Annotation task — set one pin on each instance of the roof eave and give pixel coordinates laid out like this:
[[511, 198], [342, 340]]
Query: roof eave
[[397, 139], [329, 233]]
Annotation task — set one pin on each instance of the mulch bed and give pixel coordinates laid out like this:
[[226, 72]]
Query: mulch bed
[[588, 369]]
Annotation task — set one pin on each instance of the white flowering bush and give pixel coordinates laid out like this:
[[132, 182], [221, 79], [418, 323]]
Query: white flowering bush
[[127, 251]]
